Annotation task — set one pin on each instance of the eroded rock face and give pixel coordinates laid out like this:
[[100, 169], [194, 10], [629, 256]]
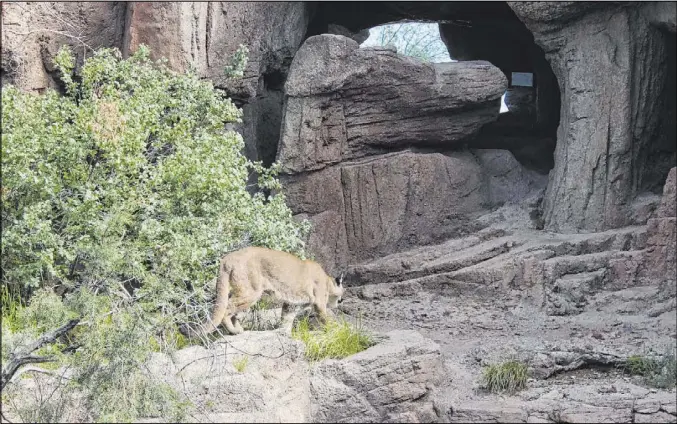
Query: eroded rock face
[[207, 34], [263, 376], [610, 61], [392, 202], [203, 35], [32, 34], [661, 253]]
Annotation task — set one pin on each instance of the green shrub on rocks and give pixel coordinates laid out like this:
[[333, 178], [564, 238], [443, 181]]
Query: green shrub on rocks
[[121, 196]]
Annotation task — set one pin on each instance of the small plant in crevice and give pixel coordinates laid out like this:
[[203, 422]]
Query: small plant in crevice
[[657, 371], [241, 364], [506, 377], [336, 339]]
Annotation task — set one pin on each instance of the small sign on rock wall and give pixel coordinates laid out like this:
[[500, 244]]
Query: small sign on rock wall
[[523, 79]]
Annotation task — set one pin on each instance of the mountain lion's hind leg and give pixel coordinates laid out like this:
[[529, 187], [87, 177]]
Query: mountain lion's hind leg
[[287, 317]]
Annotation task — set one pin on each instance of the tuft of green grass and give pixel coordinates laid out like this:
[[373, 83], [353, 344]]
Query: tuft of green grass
[[336, 339], [657, 372], [11, 304], [506, 377], [241, 364], [640, 365]]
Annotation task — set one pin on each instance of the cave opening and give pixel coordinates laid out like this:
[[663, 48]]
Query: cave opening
[[270, 99], [530, 108], [661, 152]]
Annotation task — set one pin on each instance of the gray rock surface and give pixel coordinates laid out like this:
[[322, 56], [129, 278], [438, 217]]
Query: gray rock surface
[[390, 382], [661, 252], [572, 307], [387, 203], [32, 34]]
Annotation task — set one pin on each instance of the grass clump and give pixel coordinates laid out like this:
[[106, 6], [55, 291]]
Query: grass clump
[[506, 377], [336, 339], [658, 372], [640, 365]]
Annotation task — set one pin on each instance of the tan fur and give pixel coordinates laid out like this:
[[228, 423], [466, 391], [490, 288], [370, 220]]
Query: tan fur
[[246, 274]]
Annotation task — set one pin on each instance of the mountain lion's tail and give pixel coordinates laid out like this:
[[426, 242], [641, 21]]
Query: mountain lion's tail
[[220, 308]]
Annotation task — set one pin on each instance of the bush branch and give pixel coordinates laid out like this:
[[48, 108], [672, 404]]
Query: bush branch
[[18, 359]]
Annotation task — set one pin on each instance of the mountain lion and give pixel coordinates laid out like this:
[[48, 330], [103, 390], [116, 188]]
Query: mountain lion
[[246, 274]]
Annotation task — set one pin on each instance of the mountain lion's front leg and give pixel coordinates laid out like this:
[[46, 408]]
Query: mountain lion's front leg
[[321, 312]]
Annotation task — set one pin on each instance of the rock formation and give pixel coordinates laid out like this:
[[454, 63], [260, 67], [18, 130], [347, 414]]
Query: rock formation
[[662, 231], [546, 234], [32, 33], [615, 68], [391, 382], [371, 146], [202, 35]]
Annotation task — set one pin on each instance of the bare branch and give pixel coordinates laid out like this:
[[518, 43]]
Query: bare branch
[[23, 357], [64, 34]]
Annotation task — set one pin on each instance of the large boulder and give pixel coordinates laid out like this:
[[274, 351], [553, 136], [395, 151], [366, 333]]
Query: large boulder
[[393, 202], [343, 102], [616, 133], [356, 154]]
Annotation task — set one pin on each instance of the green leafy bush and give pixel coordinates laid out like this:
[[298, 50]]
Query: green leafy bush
[[130, 178], [124, 193], [336, 339]]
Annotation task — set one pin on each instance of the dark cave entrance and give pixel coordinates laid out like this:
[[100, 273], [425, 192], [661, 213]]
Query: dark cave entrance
[[270, 103], [660, 154], [477, 31]]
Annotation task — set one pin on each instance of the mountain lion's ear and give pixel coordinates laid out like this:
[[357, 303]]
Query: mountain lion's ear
[[340, 280]]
